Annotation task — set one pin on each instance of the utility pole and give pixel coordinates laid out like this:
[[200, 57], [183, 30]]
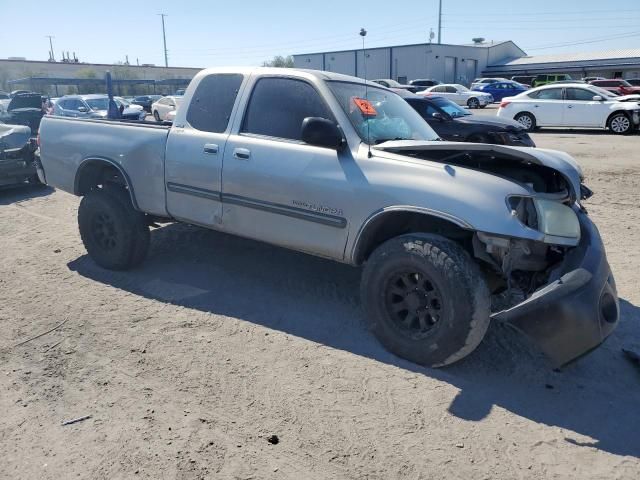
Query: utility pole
[[53, 59], [440, 23], [164, 40]]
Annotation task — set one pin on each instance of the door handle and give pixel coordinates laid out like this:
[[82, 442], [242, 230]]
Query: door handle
[[241, 153], [211, 148], [569, 106]]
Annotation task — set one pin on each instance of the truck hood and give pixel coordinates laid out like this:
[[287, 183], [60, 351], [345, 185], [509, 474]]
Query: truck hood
[[561, 162]]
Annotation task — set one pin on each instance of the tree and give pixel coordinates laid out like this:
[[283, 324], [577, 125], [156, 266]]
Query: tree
[[280, 61]]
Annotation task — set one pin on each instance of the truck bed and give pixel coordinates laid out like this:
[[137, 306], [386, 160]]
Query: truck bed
[[137, 147]]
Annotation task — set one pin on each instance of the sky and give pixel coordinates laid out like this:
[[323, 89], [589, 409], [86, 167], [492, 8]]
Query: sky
[[214, 33]]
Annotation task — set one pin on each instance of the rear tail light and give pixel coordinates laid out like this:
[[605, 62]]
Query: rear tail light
[[504, 104]]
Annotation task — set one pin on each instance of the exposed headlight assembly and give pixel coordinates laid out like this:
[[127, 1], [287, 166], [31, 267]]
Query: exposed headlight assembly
[[556, 221]]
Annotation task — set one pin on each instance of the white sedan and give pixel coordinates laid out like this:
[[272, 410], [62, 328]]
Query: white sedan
[[161, 108], [574, 105], [459, 94]]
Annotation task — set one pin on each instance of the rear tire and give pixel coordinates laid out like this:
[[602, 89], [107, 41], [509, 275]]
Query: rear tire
[[619, 124], [425, 299], [156, 115], [473, 103], [527, 120], [115, 235]]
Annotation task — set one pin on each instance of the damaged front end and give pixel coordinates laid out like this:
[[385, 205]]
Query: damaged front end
[[17, 155], [549, 277]]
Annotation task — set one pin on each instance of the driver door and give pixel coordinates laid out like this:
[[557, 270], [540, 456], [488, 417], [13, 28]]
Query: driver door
[[276, 188]]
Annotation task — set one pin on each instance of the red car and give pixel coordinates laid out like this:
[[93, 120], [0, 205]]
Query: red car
[[618, 85]]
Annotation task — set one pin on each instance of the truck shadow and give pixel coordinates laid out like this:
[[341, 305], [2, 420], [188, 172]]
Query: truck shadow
[[595, 400], [19, 193]]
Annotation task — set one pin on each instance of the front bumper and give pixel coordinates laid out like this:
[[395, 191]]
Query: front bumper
[[578, 309]]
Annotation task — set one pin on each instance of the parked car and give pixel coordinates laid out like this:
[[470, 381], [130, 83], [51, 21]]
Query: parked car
[[543, 79], [23, 109], [162, 107], [422, 83], [565, 81], [95, 106], [634, 81], [460, 95], [619, 86], [145, 101], [571, 105], [499, 90], [17, 160], [589, 79], [4, 96], [180, 92], [483, 81], [15, 93], [389, 83], [454, 123], [325, 164], [523, 79]]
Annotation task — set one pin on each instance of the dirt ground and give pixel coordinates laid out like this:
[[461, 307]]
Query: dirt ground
[[189, 365]]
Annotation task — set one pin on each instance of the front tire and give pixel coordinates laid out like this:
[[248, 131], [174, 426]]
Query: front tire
[[527, 120], [156, 115], [425, 299], [473, 103], [620, 124], [115, 235]]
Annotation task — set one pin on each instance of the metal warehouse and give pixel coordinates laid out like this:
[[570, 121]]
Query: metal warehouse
[[449, 63], [463, 63]]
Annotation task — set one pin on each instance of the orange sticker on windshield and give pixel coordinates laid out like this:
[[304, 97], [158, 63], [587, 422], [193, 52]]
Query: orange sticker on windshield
[[365, 107]]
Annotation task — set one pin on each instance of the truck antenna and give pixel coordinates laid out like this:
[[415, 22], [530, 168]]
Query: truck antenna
[[363, 33]]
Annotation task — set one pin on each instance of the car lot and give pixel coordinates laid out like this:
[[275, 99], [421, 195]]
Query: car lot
[[191, 363]]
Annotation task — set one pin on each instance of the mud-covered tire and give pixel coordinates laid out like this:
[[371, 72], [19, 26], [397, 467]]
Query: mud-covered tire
[[438, 265], [115, 235]]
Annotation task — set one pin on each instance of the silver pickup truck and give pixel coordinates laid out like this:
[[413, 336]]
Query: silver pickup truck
[[451, 235]]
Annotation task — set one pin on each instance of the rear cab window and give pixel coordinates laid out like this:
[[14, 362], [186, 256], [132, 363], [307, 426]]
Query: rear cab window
[[212, 102]]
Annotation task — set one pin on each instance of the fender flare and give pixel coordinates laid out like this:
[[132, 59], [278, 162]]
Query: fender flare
[[89, 161]]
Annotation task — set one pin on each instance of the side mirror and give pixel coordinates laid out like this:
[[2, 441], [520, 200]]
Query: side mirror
[[82, 109], [322, 132], [438, 116], [597, 98]]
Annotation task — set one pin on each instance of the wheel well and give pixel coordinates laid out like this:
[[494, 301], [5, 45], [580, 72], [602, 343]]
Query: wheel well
[[392, 224], [96, 173], [615, 113]]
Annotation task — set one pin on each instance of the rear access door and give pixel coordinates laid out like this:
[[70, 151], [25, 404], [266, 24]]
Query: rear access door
[[195, 148]]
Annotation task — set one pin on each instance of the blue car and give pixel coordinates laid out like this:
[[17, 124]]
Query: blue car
[[499, 90]]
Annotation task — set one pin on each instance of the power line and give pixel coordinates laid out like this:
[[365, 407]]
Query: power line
[[533, 14], [587, 41]]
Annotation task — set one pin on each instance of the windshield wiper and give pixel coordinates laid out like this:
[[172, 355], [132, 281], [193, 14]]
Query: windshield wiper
[[382, 140]]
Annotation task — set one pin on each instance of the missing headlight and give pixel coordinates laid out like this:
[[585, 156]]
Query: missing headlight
[[524, 209]]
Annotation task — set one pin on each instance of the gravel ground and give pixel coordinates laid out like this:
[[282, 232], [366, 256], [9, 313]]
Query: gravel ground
[[225, 358]]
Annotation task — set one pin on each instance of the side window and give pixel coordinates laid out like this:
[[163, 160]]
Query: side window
[[74, 104], [438, 89], [62, 104], [212, 102], [278, 106], [550, 94], [580, 94], [450, 89]]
